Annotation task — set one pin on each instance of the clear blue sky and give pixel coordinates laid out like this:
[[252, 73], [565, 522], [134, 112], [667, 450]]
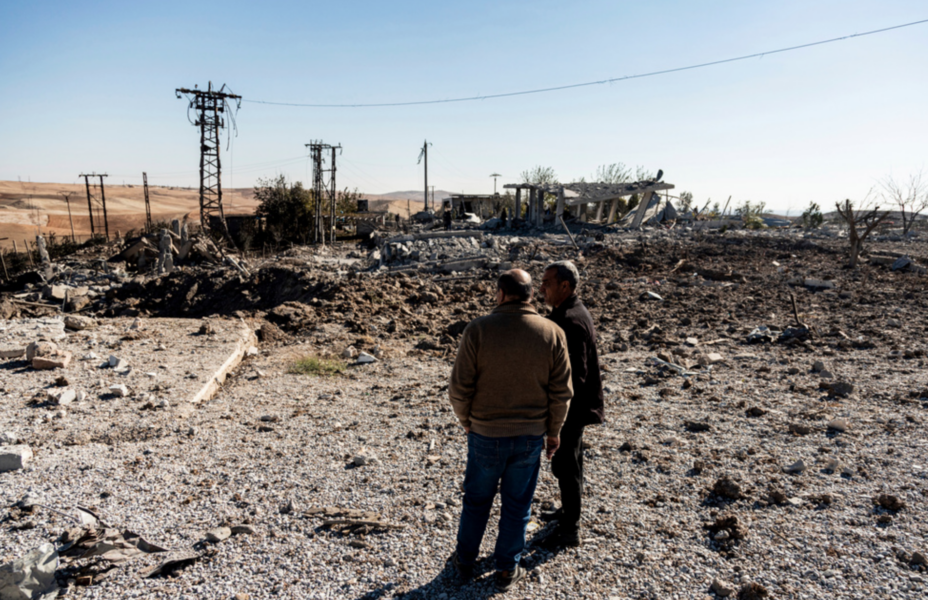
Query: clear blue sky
[[90, 86]]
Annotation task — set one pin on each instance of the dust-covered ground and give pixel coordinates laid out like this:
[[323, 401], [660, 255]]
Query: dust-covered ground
[[687, 482]]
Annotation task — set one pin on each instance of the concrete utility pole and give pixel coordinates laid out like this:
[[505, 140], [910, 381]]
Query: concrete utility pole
[[494, 176], [208, 104], [106, 225], [425, 154], [67, 198], [147, 204]]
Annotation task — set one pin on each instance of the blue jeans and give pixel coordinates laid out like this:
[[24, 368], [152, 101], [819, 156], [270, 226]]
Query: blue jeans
[[514, 461]]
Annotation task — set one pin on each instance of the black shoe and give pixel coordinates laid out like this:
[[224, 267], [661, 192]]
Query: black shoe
[[561, 538], [465, 572], [551, 515], [505, 580]]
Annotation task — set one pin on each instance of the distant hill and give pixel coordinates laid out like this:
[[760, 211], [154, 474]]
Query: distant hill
[[412, 195]]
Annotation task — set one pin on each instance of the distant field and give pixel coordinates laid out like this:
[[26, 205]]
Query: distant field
[[27, 209]]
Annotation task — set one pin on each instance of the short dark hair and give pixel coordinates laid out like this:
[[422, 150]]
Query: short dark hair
[[511, 286], [566, 271]]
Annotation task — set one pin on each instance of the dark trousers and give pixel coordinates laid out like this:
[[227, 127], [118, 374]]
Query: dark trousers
[[567, 466]]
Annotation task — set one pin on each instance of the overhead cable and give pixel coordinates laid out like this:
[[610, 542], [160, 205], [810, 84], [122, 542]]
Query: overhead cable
[[600, 82]]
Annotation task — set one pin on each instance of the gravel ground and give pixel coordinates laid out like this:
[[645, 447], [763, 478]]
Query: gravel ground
[[274, 448]]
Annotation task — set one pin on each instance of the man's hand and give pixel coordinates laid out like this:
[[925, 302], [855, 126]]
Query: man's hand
[[466, 429], [551, 446]]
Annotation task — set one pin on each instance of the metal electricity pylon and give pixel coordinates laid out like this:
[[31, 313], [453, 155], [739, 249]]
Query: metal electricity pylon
[[324, 194], [209, 104]]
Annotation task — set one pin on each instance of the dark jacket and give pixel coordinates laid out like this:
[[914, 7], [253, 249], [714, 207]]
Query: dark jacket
[[586, 408]]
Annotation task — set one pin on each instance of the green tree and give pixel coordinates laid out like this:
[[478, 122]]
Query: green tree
[[750, 213], [614, 173], [812, 218], [685, 204], [287, 209]]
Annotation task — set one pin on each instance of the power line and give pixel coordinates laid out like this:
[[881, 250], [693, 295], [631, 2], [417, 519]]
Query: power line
[[600, 82]]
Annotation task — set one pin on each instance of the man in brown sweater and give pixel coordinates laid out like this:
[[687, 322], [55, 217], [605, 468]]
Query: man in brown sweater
[[510, 388]]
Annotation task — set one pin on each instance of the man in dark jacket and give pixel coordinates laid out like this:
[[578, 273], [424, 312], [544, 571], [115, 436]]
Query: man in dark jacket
[[559, 288]]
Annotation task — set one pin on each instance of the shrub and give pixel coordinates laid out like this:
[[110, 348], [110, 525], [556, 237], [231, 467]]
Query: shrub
[[316, 366]]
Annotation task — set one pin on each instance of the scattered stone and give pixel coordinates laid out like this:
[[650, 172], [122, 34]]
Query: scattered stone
[[79, 322], [696, 427], [218, 534], [756, 411], [918, 559], [753, 591], [841, 388], [691, 341], [650, 296], [350, 353], [818, 366], [727, 488], [890, 502], [833, 465], [8, 439], [710, 359], [721, 588], [364, 459], [799, 429], [13, 458], [117, 363], [31, 577], [699, 466], [796, 467], [119, 390], [776, 497], [839, 425], [243, 530]]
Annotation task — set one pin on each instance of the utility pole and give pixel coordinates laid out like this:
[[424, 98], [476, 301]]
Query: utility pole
[[425, 154], [494, 176], [208, 104], [106, 225], [67, 198], [323, 192], [147, 204]]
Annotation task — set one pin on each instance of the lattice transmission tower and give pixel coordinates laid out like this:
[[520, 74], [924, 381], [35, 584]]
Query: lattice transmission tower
[[324, 194], [209, 105]]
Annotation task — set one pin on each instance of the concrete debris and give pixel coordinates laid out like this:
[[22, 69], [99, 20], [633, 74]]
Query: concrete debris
[[61, 397], [40, 349], [79, 322], [7, 353], [364, 459], [365, 358], [901, 263], [58, 360], [15, 457], [8, 438], [218, 534], [350, 353], [117, 364], [31, 577], [119, 390]]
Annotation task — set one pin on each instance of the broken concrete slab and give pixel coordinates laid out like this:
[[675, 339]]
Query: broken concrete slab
[[79, 322], [13, 458], [31, 577], [61, 397], [59, 360], [7, 352], [40, 349]]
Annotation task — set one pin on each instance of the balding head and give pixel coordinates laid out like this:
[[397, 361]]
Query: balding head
[[515, 284]]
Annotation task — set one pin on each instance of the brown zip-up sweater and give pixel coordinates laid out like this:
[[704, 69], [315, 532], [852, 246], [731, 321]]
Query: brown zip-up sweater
[[511, 376]]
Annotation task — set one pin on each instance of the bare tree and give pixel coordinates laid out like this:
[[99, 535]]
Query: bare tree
[[614, 173], [911, 197], [539, 175], [866, 217]]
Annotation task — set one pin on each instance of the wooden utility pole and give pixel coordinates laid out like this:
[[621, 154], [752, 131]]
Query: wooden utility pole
[[106, 225], [425, 154], [147, 204], [67, 198]]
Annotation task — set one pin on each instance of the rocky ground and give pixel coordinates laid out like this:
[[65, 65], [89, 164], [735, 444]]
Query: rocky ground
[[756, 472]]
